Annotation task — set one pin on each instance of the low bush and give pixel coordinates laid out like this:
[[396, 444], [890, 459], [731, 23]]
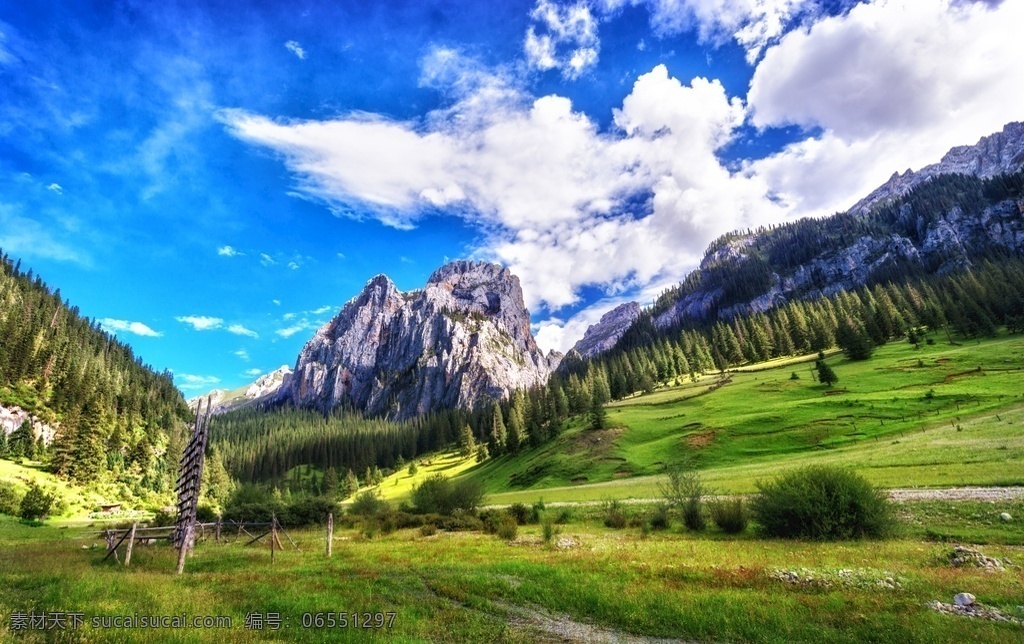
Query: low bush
[[439, 495], [36, 503], [730, 516], [368, 504], [10, 498], [428, 530], [661, 518], [522, 514], [548, 531], [311, 510], [615, 515], [507, 527], [825, 503]]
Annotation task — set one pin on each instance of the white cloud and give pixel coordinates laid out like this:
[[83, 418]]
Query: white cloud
[[276, 302], [243, 354], [288, 332], [322, 310], [138, 328], [296, 49], [293, 265], [753, 24], [562, 37], [187, 381], [201, 322], [253, 372], [228, 251], [267, 260], [562, 204], [55, 187], [892, 84], [238, 329]]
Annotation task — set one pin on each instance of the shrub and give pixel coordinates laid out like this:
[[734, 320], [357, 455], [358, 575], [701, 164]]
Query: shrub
[[205, 514], [507, 527], [311, 510], [825, 503], [565, 515], [661, 519], [368, 504], [490, 519], [10, 498], [685, 491], [428, 530], [438, 495], [730, 516], [615, 515], [36, 503], [521, 513], [548, 531]]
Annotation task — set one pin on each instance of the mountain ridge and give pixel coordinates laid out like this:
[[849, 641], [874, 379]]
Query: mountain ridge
[[461, 340]]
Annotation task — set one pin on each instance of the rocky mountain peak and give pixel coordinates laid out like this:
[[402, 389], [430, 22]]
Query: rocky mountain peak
[[998, 153], [463, 338], [602, 336]]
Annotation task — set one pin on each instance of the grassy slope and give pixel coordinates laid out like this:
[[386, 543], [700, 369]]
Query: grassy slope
[[880, 420]]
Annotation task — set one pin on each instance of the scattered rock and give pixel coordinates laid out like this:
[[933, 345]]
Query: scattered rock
[[974, 610], [962, 557], [964, 599], [847, 578], [1005, 516], [566, 543]]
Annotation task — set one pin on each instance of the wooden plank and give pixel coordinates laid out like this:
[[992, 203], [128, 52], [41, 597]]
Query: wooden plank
[[330, 533], [131, 542]]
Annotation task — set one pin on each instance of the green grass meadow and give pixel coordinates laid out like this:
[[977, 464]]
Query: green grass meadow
[[938, 416]]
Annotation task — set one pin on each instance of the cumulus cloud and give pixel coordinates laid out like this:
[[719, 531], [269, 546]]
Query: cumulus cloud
[[126, 326], [55, 187], [201, 322], [242, 354], [296, 49], [562, 204], [228, 251], [562, 37], [267, 260], [753, 24], [892, 85], [253, 372], [238, 329]]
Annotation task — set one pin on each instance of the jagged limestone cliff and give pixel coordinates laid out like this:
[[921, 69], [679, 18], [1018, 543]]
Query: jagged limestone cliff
[[462, 339]]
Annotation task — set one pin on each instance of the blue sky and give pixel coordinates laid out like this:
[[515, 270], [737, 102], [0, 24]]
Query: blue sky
[[214, 180]]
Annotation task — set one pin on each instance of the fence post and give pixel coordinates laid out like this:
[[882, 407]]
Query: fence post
[[273, 535], [330, 533], [131, 542]]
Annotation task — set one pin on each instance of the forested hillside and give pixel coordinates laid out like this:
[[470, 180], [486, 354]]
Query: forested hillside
[[115, 417], [944, 224]]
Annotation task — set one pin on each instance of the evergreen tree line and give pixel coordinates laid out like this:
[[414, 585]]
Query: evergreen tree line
[[113, 413], [265, 445], [969, 303]]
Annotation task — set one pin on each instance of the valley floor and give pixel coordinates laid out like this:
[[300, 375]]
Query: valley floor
[[590, 583]]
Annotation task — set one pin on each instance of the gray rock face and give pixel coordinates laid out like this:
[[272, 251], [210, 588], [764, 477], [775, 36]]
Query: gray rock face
[[465, 337], [994, 154], [602, 336], [11, 419], [945, 243]]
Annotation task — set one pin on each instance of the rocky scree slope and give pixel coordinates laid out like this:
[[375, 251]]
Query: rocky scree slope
[[461, 340]]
